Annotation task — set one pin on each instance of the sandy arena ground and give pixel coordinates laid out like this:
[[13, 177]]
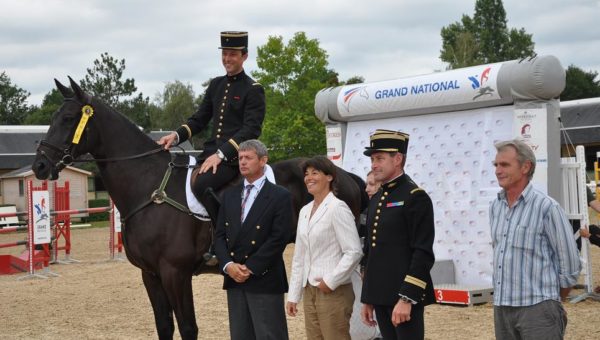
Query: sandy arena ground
[[98, 299]]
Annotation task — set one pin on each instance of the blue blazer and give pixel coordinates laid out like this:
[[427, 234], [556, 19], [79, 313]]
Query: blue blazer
[[259, 242]]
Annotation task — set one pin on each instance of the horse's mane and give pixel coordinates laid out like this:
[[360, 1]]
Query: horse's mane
[[132, 129]]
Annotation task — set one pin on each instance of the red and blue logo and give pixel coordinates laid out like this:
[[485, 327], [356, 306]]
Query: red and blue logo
[[41, 211], [478, 82], [352, 92]]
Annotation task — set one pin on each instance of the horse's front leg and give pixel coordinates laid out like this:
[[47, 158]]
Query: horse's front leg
[[178, 286], [163, 312]]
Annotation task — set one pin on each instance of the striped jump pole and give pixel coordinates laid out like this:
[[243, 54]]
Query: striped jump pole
[[81, 211], [13, 214], [13, 244], [7, 230]]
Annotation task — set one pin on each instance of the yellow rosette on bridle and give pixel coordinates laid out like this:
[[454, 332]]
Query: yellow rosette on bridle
[[86, 112]]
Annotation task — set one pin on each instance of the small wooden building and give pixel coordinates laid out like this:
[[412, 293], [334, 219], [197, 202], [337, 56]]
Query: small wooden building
[[13, 186]]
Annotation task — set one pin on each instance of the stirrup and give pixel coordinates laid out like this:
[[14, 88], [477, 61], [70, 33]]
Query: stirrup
[[210, 259]]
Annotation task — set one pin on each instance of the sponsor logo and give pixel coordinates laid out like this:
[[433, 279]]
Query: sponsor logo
[[478, 83], [41, 212], [353, 92], [526, 131]]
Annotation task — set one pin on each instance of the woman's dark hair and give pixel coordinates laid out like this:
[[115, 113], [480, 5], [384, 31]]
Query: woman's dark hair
[[323, 164]]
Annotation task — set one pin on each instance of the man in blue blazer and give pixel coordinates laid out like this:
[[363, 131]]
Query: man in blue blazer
[[253, 228]]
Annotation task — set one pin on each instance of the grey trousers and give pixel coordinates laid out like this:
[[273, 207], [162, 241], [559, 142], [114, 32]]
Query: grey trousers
[[546, 320], [256, 316]]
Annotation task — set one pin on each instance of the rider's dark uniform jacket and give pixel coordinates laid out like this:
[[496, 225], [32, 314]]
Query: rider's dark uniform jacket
[[236, 105], [399, 245]]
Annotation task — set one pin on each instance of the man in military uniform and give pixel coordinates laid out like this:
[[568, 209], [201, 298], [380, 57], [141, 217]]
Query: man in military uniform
[[399, 245], [236, 105]]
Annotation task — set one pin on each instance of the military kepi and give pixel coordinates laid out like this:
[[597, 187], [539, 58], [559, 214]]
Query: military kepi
[[234, 40], [387, 141]]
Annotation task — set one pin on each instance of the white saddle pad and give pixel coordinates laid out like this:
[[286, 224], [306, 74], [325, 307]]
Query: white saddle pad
[[195, 206]]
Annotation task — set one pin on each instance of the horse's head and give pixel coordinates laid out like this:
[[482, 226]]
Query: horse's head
[[68, 136]]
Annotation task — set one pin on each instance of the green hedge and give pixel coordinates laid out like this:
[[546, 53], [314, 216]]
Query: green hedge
[[97, 203]]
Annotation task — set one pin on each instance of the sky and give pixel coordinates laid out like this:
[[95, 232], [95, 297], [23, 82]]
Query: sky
[[164, 41]]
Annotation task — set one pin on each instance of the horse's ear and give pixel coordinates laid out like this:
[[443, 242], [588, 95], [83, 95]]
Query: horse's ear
[[65, 91], [79, 93]]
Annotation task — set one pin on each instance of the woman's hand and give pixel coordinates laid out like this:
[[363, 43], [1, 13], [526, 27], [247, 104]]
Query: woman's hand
[[324, 288], [291, 308]]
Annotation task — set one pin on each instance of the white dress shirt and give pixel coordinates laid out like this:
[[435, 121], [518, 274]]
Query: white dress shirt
[[327, 247], [257, 186]]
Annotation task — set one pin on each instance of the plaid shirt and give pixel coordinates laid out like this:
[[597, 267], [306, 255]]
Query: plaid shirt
[[534, 249]]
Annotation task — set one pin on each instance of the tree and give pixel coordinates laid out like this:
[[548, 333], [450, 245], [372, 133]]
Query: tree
[[13, 102], [174, 105], [459, 47], [42, 115], [104, 80], [354, 80], [177, 102], [484, 38], [580, 84], [292, 74]]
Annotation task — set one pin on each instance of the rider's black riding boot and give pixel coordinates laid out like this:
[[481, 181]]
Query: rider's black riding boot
[[211, 202]]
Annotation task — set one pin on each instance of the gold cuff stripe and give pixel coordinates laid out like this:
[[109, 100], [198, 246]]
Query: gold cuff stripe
[[189, 131], [415, 190], [388, 136], [235, 145], [413, 280]]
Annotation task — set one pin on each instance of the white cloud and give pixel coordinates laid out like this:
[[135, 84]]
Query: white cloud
[[163, 41]]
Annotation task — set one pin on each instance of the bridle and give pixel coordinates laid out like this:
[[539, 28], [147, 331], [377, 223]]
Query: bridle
[[66, 154]]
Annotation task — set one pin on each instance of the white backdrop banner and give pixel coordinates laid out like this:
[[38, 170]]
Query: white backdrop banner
[[449, 155]]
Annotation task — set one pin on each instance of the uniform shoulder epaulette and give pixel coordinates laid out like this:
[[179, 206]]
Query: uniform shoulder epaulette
[[415, 190], [256, 84]]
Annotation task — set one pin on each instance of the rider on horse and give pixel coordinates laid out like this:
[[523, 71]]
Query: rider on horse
[[236, 105]]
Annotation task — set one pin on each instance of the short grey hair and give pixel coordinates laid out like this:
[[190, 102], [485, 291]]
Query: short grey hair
[[255, 145], [524, 153]]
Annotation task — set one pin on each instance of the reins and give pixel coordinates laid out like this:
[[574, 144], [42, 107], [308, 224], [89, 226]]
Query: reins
[[124, 158]]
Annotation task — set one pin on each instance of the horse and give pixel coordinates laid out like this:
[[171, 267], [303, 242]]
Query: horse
[[165, 242]]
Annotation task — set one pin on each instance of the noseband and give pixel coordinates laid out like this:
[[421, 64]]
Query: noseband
[[66, 158]]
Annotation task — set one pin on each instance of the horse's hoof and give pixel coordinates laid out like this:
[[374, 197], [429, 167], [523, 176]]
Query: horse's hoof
[[210, 259]]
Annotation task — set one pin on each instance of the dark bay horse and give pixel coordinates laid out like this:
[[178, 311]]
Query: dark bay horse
[[165, 243]]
